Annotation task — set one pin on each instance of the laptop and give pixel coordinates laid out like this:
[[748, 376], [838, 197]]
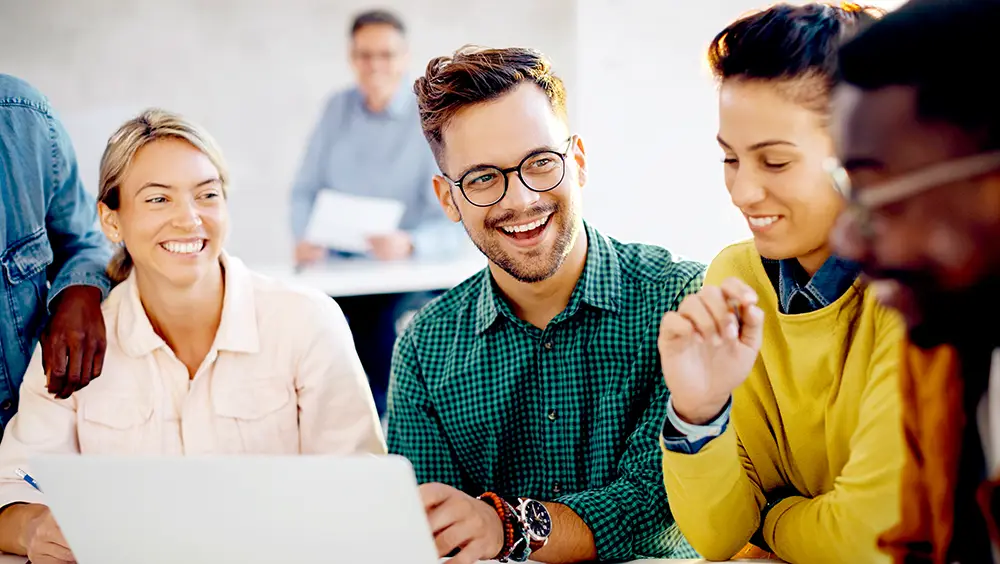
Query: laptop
[[239, 509]]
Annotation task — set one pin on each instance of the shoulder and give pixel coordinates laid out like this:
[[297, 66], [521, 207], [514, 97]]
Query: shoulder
[[16, 92], [739, 260], [110, 308], [283, 303], [656, 268], [889, 324], [340, 102], [451, 312]]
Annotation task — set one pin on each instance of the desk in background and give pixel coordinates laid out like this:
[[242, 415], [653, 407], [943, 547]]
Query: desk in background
[[366, 277]]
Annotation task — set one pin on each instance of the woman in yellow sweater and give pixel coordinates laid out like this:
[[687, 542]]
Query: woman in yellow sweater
[[783, 426]]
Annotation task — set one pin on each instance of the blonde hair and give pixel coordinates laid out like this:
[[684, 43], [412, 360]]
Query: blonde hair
[[136, 133]]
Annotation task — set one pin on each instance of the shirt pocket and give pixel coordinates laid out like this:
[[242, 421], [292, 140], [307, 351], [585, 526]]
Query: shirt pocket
[[256, 417], [116, 424], [24, 266]]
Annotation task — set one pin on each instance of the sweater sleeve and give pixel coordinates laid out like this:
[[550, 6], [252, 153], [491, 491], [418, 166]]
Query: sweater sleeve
[[715, 497]]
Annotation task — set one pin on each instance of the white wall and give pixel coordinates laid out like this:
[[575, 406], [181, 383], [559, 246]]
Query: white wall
[[254, 72], [647, 111]]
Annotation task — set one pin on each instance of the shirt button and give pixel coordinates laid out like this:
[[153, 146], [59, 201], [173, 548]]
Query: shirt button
[[548, 345], [553, 415], [556, 488], [6, 405]]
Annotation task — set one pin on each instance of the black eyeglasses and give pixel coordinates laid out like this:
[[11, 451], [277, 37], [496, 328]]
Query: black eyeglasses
[[540, 171], [863, 204]]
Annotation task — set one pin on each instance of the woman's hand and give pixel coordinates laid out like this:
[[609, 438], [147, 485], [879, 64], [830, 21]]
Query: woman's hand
[[43, 541], [706, 351]]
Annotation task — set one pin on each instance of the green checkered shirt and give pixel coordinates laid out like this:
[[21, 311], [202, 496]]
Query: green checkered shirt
[[483, 401]]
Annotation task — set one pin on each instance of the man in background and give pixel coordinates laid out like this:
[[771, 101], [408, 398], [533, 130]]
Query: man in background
[[369, 143], [919, 143], [52, 255]]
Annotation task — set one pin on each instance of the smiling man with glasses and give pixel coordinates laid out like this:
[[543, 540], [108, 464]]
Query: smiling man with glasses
[[533, 386], [919, 162]]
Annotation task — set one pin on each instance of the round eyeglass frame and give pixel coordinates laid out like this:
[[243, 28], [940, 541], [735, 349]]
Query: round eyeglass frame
[[505, 173]]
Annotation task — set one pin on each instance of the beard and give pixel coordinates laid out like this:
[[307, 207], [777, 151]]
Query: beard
[[936, 315], [537, 264]]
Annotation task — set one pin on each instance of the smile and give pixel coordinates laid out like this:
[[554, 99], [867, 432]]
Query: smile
[[184, 247], [525, 227], [763, 221]]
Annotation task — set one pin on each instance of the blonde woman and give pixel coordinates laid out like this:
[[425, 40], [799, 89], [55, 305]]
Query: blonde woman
[[203, 355]]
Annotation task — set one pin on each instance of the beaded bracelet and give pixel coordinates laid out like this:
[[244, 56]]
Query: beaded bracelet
[[506, 518]]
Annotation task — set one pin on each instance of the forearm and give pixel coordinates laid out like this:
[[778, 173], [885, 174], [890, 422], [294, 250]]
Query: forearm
[[14, 521], [571, 539], [828, 529], [715, 503]]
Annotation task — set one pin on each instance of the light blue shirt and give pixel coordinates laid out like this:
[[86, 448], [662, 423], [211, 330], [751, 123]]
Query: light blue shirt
[[49, 238], [382, 155]]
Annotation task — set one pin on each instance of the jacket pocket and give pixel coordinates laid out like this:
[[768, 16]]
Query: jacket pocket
[[115, 424], [257, 417], [24, 266]]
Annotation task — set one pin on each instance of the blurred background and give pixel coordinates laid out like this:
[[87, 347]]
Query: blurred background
[[257, 72]]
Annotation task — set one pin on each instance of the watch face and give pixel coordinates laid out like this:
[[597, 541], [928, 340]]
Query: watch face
[[537, 519]]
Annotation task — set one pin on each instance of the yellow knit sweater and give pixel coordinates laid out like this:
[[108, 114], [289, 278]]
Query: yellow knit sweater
[[819, 414]]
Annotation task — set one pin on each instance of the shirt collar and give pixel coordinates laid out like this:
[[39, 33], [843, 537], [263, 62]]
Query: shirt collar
[[829, 283], [237, 329], [600, 285], [400, 106]]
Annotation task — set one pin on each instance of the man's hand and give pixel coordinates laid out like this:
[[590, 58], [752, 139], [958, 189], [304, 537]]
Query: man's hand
[[307, 253], [391, 246], [463, 522], [73, 344], [44, 542], [706, 352]]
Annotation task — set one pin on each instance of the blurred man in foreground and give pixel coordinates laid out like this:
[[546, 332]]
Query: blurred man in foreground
[[919, 149]]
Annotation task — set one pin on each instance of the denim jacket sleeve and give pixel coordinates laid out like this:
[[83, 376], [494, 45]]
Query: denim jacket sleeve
[[48, 234], [80, 249]]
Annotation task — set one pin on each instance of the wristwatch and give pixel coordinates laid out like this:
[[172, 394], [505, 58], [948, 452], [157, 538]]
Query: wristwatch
[[536, 523], [527, 526]]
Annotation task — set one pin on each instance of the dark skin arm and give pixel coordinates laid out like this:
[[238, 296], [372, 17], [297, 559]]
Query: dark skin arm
[[74, 341]]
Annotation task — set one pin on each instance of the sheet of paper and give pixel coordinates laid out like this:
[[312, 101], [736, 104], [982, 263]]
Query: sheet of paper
[[343, 221]]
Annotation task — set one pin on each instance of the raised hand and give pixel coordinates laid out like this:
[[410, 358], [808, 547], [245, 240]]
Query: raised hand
[[706, 351]]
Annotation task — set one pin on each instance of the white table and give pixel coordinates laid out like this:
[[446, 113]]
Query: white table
[[342, 278]]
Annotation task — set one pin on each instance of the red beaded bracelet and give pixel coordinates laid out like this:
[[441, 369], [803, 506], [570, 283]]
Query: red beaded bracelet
[[506, 518]]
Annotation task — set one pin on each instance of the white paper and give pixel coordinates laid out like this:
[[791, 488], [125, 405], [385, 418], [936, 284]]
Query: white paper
[[344, 222]]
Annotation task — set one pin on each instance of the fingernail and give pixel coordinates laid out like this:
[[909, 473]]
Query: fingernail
[[732, 332], [716, 339]]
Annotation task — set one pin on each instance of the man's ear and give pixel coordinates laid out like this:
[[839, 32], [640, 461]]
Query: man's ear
[[579, 154], [443, 190]]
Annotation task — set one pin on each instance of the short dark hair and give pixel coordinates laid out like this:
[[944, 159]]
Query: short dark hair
[[946, 51], [785, 43], [475, 74], [377, 17]]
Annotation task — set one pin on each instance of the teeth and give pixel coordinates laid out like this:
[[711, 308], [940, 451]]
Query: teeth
[[762, 221], [526, 226], [184, 248]]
